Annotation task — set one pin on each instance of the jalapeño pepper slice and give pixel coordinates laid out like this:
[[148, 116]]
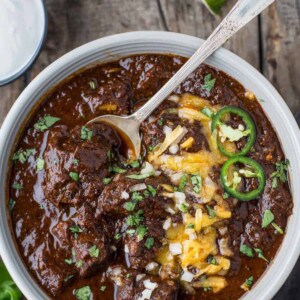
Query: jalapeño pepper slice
[[231, 177], [226, 132]]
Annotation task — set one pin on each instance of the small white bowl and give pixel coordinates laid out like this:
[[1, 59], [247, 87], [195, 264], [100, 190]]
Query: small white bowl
[[121, 45]]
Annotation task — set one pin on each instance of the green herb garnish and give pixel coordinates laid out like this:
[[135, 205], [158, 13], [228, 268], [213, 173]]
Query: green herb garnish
[[74, 176], [75, 162], [11, 204], [130, 206], [40, 164], [246, 250], [183, 182], [212, 260], [135, 219], [280, 173], [79, 263], [45, 123], [83, 293], [149, 242], [85, 133], [260, 254], [141, 232], [268, 218], [107, 180], [277, 228], [117, 169], [69, 261], [75, 229], [191, 226], [102, 288], [183, 207], [94, 251], [209, 83], [211, 212], [249, 281], [208, 112], [135, 164], [17, 186], [23, 155], [197, 183]]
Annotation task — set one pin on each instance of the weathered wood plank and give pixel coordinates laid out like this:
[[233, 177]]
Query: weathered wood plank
[[8, 94], [281, 37], [192, 17], [73, 23]]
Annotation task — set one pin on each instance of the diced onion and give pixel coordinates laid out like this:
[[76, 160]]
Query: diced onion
[[174, 149], [167, 130], [179, 197], [147, 169], [193, 236], [140, 276], [175, 178], [124, 195], [175, 248], [116, 271], [174, 98], [167, 224], [151, 266], [146, 294], [170, 210], [187, 276], [150, 285], [138, 187]]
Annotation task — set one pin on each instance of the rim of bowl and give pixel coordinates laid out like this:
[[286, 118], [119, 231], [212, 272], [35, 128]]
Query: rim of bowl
[[121, 45], [37, 51]]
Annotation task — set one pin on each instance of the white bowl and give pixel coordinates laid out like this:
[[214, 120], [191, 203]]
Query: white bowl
[[121, 45]]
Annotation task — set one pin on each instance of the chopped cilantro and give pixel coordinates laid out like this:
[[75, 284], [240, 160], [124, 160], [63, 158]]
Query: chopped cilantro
[[107, 180], [208, 112], [268, 218], [117, 236], [136, 196], [225, 196], [135, 219], [45, 123], [94, 251], [117, 169], [141, 232], [75, 229], [150, 148], [83, 293], [11, 204], [280, 173], [79, 263], [191, 226], [249, 281], [183, 182], [74, 176], [17, 186], [135, 164], [260, 254], [183, 207], [140, 176], [131, 232], [212, 260], [160, 122], [211, 212], [197, 183], [85, 133], [23, 155], [40, 164], [75, 162], [130, 206], [209, 83], [151, 190], [102, 288], [149, 242], [246, 250], [69, 261]]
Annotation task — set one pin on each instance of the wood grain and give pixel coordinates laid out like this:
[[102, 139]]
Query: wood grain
[[192, 17], [281, 44]]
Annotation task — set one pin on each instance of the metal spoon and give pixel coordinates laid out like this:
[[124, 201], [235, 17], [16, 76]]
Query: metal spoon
[[128, 126]]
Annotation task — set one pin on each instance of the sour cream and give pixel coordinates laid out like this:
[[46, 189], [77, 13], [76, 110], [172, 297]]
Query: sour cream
[[22, 29]]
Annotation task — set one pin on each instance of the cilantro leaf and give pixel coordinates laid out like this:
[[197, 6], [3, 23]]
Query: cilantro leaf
[[149, 242], [280, 173], [183, 182], [85, 133], [83, 293], [249, 281], [209, 83], [17, 186], [40, 164], [211, 212], [74, 176], [23, 155], [45, 123], [268, 218], [260, 254], [246, 250], [94, 251]]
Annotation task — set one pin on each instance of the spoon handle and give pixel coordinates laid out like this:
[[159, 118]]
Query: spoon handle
[[241, 14]]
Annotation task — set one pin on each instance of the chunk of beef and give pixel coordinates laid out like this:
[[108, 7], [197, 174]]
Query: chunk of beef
[[133, 289], [112, 95], [87, 240], [67, 153]]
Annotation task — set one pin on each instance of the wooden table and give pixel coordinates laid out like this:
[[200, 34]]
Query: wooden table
[[270, 43]]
